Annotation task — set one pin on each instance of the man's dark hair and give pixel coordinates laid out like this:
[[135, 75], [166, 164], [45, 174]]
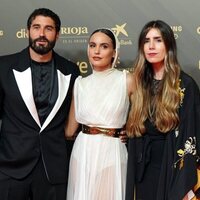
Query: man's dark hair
[[46, 13]]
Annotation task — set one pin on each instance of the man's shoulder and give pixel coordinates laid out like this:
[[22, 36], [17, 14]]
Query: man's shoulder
[[12, 57], [8, 56]]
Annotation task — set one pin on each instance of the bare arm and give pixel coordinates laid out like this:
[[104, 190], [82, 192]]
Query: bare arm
[[71, 125], [130, 83]]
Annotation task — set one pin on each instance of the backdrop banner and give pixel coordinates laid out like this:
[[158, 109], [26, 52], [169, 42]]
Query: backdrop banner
[[126, 18]]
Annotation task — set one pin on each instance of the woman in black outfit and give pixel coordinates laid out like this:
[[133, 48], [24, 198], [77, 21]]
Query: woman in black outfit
[[163, 123]]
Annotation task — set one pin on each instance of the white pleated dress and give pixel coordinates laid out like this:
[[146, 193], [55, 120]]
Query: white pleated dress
[[98, 162]]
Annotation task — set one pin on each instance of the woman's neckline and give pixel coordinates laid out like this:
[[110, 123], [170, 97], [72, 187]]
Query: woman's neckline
[[104, 72]]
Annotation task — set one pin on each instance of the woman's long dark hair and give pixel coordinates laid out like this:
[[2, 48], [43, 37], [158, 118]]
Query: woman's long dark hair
[[167, 100]]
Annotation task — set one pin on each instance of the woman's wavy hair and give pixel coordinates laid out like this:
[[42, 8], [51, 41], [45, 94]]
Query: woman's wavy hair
[[167, 100]]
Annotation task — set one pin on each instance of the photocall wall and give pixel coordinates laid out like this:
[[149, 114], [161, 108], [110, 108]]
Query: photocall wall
[[126, 17]]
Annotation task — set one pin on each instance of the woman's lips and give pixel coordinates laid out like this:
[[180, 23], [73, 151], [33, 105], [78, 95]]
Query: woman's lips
[[152, 54], [96, 58]]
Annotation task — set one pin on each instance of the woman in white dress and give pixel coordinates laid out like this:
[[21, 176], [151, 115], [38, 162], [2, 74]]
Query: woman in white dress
[[101, 102]]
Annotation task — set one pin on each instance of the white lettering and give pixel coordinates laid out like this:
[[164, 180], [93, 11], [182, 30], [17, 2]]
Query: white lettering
[[74, 30], [198, 30], [22, 34], [176, 28], [1, 33], [83, 66]]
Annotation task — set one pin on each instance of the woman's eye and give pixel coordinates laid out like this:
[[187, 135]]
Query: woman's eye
[[105, 46], [91, 45], [159, 40]]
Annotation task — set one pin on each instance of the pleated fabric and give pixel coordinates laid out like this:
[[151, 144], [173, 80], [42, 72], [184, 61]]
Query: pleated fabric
[[98, 162]]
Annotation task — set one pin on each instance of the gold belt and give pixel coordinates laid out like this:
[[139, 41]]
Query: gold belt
[[113, 132]]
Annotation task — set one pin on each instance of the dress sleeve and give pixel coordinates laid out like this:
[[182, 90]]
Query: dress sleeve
[[197, 118]]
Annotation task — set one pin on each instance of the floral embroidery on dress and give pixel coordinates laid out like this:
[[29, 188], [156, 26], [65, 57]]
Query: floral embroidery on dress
[[181, 92], [176, 132], [189, 148]]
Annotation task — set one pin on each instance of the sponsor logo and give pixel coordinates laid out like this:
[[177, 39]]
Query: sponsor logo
[[80, 35], [122, 34], [21, 33], [75, 31], [176, 30], [198, 30], [64, 32], [120, 29], [83, 67], [1, 33], [74, 35]]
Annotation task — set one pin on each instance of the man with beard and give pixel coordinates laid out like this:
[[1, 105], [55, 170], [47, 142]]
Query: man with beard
[[35, 94]]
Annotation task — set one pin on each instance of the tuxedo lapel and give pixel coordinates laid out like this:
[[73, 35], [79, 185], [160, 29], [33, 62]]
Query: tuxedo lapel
[[24, 82], [63, 85]]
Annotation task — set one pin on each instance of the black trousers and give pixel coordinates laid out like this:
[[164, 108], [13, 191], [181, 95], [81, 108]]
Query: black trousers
[[34, 187]]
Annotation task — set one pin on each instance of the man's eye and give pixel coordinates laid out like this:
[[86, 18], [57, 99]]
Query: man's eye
[[35, 27], [49, 29]]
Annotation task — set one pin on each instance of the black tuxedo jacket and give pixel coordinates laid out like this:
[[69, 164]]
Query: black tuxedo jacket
[[22, 138]]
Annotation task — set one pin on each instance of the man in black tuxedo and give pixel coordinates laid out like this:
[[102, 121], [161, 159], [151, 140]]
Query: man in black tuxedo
[[35, 94]]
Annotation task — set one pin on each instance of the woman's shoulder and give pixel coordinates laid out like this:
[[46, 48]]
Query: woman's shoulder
[[188, 87], [82, 79], [187, 80], [186, 77]]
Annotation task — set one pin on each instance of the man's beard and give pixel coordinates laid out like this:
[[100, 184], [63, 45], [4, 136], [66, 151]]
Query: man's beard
[[40, 49]]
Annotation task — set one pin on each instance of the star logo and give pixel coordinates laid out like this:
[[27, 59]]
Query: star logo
[[120, 29]]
